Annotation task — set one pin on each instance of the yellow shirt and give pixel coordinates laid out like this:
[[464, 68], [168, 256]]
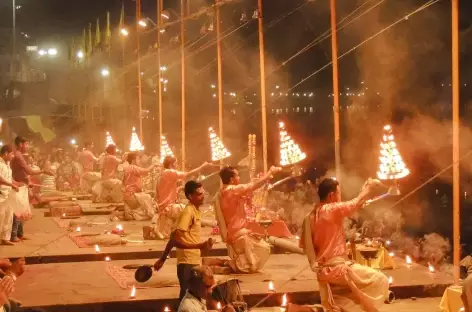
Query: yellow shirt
[[189, 223]]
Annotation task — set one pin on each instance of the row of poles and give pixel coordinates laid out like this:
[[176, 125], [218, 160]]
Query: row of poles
[[334, 55]]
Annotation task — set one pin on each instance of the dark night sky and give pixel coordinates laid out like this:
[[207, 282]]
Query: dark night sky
[[52, 20]]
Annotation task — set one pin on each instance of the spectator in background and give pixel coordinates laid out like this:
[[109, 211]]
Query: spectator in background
[[21, 173]]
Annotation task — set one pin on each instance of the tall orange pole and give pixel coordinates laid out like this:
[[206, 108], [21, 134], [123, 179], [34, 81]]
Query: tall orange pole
[[455, 141], [138, 51], [334, 57], [220, 72], [182, 54], [159, 65], [263, 85]]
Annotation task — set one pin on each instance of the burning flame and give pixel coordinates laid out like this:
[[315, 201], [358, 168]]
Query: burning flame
[[166, 309], [271, 286], [391, 254], [297, 237], [97, 249], [290, 152], [390, 280], [284, 300], [63, 215], [392, 166], [133, 292], [408, 260], [119, 227], [218, 306], [107, 259], [77, 229], [387, 243], [431, 268], [218, 150]]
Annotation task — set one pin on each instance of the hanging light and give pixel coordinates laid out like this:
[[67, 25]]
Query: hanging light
[[243, 18], [256, 14]]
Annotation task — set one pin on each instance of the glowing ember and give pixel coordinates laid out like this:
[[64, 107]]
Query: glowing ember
[[63, 215], [408, 260], [107, 259], [271, 286], [388, 243], [284, 300], [132, 295], [390, 280], [391, 254], [119, 227], [218, 306], [218, 150], [165, 149], [77, 229], [297, 237], [290, 152], [392, 166], [97, 249], [431, 268], [166, 309]]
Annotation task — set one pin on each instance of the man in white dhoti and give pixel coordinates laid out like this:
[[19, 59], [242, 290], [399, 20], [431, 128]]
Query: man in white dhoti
[[344, 285], [109, 189], [248, 252], [6, 185], [87, 160], [139, 205], [169, 206]]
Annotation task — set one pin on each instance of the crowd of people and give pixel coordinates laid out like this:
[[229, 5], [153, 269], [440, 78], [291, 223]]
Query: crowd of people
[[150, 191]]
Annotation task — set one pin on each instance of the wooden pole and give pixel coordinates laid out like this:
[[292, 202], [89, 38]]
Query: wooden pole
[[263, 86], [455, 140], [138, 52], [159, 76], [182, 54], [334, 56], [220, 73]]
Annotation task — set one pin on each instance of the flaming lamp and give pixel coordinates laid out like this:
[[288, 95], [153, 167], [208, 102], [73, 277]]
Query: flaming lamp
[[290, 152], [392, 166], [218, 150], [165, 149], [135, 144], [109, 140]]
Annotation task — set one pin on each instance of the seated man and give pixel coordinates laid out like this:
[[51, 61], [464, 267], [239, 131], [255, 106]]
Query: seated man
[[68, 178], [167, 190], [109, 189], [139, 205], [200, 285], [344, 286], [248, 252]]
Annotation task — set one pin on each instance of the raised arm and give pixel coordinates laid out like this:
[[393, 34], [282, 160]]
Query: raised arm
[[348, 208], [198, 169], [252, 186]]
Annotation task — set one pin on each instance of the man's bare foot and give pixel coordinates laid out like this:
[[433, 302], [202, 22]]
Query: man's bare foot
[[7, 243], [15, 240]]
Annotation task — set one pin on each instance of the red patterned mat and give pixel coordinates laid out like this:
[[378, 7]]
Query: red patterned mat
[[125, 278], [59, 211]]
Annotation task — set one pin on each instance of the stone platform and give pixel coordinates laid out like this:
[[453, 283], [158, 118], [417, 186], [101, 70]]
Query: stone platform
[[86, 286]]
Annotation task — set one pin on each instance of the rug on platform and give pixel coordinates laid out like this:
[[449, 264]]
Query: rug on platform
[[102, 240], [62, 223], [125, 278], [68, 210]]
